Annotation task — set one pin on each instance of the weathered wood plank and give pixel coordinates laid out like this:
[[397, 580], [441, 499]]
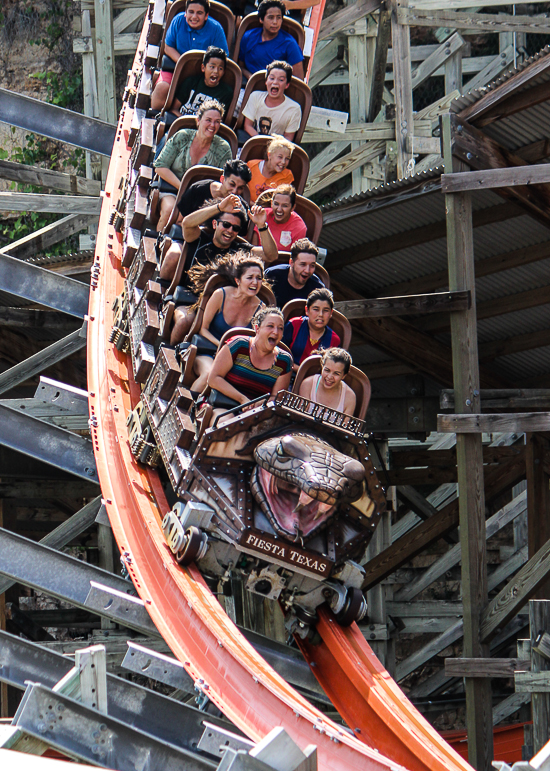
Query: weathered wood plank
[[492, 68], [532, 682], [506, 90], [343, 166], [383, 37], [452, 558], [366, 131], [72, 204], [475, 22], [435, 60], [509, 705], [54, 180], [124, 44], [401, 306], [447, 5], [127, 18], [477, 424], [516, 593], [403, 89], [46, 236], [491, 178], [515, 399], [539, 618], [485, 667], [105, 60], [346, 17], [406, 547]]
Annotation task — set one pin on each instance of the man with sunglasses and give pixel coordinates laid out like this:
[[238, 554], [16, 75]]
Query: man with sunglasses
[[229, 219]]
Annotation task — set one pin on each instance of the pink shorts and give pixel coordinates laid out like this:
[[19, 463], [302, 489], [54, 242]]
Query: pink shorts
[[165, 77]]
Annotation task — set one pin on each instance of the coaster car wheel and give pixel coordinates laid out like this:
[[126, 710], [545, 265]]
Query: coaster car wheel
[[194, 546], [355, 607]]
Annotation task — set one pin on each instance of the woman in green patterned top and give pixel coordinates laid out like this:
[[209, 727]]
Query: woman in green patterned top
[[189, 147]]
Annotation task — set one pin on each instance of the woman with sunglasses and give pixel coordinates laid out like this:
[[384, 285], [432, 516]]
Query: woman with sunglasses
[[230, 306], [187, 148]]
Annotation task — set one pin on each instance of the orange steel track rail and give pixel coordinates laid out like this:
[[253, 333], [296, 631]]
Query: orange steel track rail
[[222, 663]]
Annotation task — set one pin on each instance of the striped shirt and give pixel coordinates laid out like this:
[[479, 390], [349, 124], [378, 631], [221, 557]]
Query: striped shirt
[[248, 379]]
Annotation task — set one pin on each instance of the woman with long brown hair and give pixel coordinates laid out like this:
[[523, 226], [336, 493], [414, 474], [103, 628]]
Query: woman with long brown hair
[[230, 306]]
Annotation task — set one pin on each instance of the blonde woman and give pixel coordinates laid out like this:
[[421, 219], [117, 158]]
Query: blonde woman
[[274, 170]]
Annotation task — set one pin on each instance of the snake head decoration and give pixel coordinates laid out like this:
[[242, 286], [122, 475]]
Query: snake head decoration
[[300, 481]]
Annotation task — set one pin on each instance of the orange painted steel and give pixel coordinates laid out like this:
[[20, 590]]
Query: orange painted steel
[[222, 663], [372, 703], [315, 23]]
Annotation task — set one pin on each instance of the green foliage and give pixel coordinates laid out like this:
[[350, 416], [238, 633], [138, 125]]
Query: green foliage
[[63, 89], [36, 151]]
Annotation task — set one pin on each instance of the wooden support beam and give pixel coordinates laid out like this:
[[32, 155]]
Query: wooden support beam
[[515, 399], [72, 204], [491, 178], [105, 60], [404, 306], [402, 340], [54, 180], [346, 17], [535, 151], [408, 238], [383, 36], [498, 479], [131, 17], [444, 458], [475, 23], [532, 682], [487, 267], [492, 69], [435, 60], [403, 89], [41, 239], [539, 619], [470, 476], [4, 710], [464, 667], [32, 318], [516, 593], [434, 5], [342, 166], [42, 360], [326, 60], [363, 132], [479, 424], [481, 152], [124, 44], [491, 308], [538, 499], [452, 557], [509, 705]]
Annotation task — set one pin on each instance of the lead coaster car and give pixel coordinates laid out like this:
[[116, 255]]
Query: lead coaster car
[[280, 492]]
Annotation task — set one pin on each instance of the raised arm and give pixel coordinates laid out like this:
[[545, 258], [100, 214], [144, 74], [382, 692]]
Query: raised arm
[[268, 251], [216, 379], [191, 224]]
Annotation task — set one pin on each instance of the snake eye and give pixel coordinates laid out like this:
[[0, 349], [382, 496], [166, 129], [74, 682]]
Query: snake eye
[[280, 450]]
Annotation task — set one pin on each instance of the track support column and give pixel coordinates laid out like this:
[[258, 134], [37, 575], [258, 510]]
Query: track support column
[[460, 251]]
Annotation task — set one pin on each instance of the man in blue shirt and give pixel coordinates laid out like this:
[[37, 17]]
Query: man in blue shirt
[[262, 45], [192, 30]]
